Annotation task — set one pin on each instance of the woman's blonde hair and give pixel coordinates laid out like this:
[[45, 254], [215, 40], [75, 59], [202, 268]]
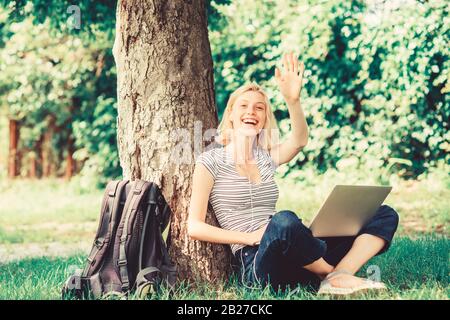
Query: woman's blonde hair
[[266, 139]]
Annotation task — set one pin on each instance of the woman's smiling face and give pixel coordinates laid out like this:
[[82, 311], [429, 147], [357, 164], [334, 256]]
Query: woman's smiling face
[[249, 113]]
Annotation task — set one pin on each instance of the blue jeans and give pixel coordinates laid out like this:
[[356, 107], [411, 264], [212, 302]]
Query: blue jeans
[[287, 245]]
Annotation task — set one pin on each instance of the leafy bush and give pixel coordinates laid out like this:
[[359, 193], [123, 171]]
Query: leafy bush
[[375, 90], [52, 82], [376, 80]]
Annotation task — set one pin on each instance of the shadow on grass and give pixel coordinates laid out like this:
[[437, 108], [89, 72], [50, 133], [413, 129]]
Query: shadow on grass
[[412, 269]]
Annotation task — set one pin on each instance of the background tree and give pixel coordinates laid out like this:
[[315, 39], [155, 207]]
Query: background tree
[[61, 89]]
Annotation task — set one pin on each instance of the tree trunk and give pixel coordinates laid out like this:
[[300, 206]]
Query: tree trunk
[[38, 156], [165, 91], [32, 173], [70, 164], [47, 155], [13, 159]]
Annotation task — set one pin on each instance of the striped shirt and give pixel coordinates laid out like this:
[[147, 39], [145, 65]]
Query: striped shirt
[[240, 205]]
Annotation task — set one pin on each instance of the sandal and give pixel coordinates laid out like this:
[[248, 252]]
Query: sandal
[[326, 288]]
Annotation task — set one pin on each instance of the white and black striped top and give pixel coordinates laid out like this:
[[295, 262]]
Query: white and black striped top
[[232, 195]]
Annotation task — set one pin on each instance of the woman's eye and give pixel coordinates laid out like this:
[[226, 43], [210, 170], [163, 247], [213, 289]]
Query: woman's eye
[[260, 108]]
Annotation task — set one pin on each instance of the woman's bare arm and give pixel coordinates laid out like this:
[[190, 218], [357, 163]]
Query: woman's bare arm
[[198, 229], [290, 84]]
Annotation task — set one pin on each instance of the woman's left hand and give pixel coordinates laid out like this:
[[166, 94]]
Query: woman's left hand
[[290, 81], [256, 236]]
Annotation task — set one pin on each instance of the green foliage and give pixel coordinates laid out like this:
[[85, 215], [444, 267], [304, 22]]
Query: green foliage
[[375, 91], [376, 81], [96, 141], [63, 83], [96, 16]]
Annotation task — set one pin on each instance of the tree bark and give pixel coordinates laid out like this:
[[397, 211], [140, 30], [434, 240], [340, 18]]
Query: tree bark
[[165, 85], [38, 155], [32, 173], [47, 156], [70, 163], [13, 159]]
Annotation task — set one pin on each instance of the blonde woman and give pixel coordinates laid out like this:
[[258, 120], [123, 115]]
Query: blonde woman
[[238, 180]]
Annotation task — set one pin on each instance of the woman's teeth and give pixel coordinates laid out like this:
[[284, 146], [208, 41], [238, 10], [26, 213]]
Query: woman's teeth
[[250, 121]]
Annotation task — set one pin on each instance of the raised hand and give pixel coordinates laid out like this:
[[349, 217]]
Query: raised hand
[[291, 78]]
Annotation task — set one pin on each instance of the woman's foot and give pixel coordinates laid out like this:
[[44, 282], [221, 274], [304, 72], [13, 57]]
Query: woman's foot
[[344, 283], [344, 280]]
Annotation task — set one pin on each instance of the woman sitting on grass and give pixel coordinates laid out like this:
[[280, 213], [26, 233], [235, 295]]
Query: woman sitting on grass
[[238, 179]]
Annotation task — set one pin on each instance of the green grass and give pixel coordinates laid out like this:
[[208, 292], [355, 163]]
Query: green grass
[[46, 229], [413, 269], [32, 202], [47, 211]]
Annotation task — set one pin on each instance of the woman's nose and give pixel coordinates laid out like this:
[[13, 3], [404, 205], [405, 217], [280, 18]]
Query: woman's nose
[[251, 110]]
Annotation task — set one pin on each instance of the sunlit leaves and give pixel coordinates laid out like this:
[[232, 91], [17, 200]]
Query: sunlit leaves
[[376, 75]]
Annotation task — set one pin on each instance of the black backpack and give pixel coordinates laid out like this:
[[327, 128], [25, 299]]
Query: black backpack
[[129, 253]]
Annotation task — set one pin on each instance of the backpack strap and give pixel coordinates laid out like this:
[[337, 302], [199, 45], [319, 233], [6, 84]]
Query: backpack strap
[[140, 278], [131, 206], [163, 213], [150, 205], [145, 287], [108, 205], [168, 268], [165, 272]]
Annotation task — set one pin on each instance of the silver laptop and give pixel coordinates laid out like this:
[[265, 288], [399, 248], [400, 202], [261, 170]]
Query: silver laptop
[[347, 209]]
